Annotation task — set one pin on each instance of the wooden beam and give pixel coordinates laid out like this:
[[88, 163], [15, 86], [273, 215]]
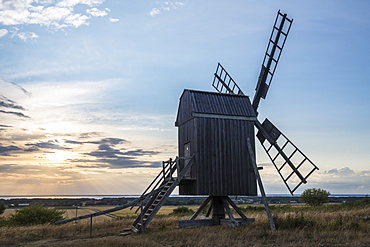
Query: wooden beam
[[260, 184]]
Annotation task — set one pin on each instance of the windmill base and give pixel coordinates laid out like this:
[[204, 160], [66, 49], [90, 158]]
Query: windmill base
[[219, 206], [211, 222]]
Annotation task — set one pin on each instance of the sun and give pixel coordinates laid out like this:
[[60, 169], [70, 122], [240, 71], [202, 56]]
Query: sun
[[59, 155]]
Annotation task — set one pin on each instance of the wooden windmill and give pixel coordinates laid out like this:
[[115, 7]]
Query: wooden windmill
[[217, 130], [216, 143]]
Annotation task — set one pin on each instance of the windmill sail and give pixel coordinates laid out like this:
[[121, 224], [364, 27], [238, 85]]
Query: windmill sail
[[293, 166], [275, 46], [223, 82]]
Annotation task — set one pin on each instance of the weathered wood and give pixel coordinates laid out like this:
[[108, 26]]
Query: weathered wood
[[260, 184], [216, 126], [218, 205], [200, 209], [203, 222]]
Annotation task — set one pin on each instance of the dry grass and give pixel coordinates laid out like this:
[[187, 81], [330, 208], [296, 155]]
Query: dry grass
[[305, 228], [127, 213]]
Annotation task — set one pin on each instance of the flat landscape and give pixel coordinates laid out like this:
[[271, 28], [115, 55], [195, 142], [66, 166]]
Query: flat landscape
[[328, 225]]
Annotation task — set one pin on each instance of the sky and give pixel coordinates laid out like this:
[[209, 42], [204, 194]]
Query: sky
[[89, 89]]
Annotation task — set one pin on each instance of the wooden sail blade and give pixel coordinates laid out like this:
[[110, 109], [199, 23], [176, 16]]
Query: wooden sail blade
[[293, 166], [223, 82], [275, 46]]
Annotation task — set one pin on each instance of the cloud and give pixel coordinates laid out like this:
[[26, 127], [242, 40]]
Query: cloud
[[47, 145], [72, 3], [19, 114], [166, 6], [342, 180], [3, 32], [96, 12], [8, 150], [113, 20], [5, 126], [107, 154], [343, 171], [18, 86], [55, 14], [154, 12], [11, 105]]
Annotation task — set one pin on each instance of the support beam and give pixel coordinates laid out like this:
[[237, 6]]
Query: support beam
[[219, 206], [260, 184]]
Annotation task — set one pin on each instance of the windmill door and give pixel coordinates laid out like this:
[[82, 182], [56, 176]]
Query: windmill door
[[187, 156]]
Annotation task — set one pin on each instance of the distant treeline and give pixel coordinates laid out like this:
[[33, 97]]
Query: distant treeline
[[175, 201]]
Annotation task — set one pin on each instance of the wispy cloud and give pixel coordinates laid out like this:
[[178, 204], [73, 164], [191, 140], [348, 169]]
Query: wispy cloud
[[18, 86], [10, 104], [19, 114], [113, 20], [96, 12], [154, 12], [50, 144], [3, 32], [111, 153], [165, 6]]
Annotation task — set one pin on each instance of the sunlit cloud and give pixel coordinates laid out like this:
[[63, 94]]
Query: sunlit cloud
[[52, 14]]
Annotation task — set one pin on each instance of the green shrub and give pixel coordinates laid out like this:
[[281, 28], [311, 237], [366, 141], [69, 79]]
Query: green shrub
[[34, 215], [182, 211], [315, 197]]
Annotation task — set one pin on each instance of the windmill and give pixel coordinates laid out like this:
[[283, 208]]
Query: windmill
[[216, 144], [220, 126]]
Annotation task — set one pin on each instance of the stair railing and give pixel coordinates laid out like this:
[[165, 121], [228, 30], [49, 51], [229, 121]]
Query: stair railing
[[168, 168]]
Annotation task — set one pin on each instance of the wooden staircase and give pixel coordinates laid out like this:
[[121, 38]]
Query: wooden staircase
[[161, 188]]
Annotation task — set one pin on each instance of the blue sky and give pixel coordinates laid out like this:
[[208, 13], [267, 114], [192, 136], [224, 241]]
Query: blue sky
[[89, 89]]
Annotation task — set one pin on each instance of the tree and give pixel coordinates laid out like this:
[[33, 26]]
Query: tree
[[2, 208], [33, 215], [315, 197]]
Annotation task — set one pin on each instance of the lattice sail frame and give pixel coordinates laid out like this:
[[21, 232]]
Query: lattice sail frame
[[275, 46], [293, 166], [223, 82]]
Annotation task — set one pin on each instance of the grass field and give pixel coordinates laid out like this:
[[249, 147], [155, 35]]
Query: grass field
[[297, 226], [127, 213]]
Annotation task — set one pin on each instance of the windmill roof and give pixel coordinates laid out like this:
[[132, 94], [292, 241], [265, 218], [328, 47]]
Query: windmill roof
[[213, 103]]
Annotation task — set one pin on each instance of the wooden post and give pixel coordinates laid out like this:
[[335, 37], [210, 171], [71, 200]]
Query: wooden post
[[141, 217], [91, 221], [163, 172], [259, 180]]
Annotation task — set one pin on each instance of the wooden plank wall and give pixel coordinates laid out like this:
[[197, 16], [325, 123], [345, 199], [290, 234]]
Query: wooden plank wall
[[222, 164]]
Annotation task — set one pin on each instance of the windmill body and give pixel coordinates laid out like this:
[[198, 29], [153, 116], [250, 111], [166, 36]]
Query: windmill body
[[213, 128]]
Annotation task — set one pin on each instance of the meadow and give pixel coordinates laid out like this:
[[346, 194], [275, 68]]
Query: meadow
[[328, 225]]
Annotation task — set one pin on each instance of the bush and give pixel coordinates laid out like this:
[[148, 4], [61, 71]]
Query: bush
[[182, 211], [315, 197], [34, 215]]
